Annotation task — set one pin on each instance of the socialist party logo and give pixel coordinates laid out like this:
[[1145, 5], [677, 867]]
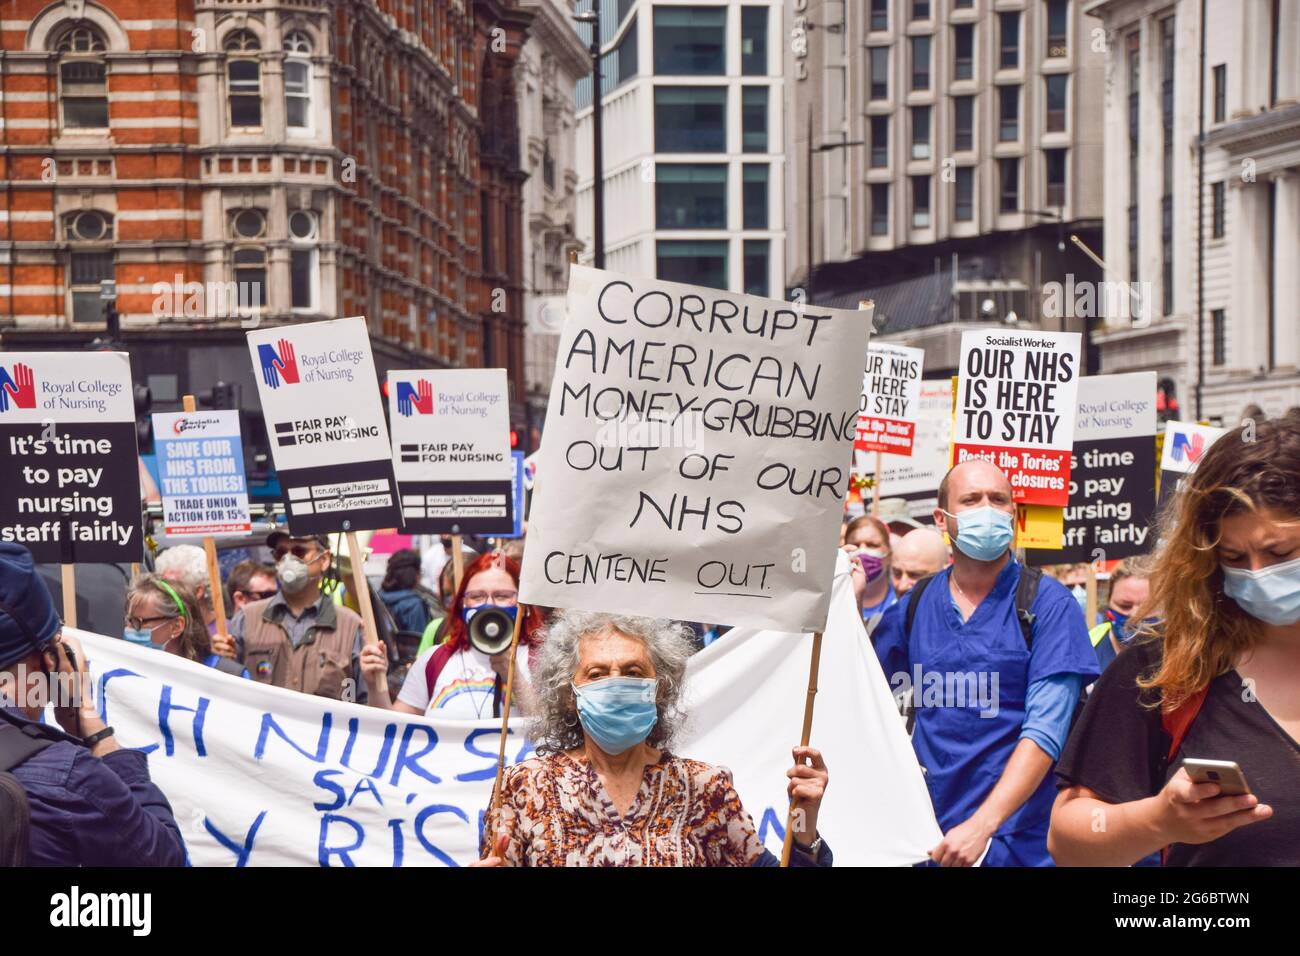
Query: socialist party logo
[[414, 397], [1190, 446], [278, 361], [20, 387]]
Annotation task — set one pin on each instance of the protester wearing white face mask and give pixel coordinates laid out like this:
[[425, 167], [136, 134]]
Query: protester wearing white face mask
[[299, 638], [1217, 677]]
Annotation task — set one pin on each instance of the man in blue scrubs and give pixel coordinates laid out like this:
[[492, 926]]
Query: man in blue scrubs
[[992, 713]]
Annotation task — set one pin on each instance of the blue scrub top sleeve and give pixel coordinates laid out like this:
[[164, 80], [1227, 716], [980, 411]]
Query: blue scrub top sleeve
[[1049, 707]]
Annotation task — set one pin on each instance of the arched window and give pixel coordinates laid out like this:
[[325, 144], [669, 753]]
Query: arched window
[[89, 234], [83, 77], [297, 80], [244, 79], [304, 230], [248, 225]]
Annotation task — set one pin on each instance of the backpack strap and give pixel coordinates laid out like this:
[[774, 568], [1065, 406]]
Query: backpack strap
[[1026, 593], [433, 667], [913, 602]]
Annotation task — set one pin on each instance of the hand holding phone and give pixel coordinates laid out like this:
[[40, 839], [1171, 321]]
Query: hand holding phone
[[1225, 773]]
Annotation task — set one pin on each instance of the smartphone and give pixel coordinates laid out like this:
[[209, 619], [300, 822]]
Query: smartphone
[[1225, 773]]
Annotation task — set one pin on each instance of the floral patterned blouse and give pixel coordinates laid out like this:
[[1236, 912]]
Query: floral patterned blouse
[[686, 813]]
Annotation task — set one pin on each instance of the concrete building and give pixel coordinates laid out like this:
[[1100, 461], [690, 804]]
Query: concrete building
[[552, 62], [954, 146], [231, 165], [693, 152], [1224, 328]]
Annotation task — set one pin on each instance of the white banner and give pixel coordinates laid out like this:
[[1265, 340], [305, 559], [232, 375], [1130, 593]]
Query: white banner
[[696, 454], [263, 776]]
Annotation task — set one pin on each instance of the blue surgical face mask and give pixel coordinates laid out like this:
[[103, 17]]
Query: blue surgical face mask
[[617, 712], [1270, 594], [138, 635], [983, 534], [1081, 595]]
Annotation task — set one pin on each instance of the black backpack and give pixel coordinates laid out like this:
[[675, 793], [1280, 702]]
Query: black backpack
[[1026, 593], [18, 742]]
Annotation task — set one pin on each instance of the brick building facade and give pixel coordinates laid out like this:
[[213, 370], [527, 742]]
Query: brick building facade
[[232, 164]]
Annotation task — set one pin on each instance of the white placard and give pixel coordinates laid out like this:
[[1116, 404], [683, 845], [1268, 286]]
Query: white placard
[[450, 425], [201, 473], [919, 475], [1016, 407], [696, 454], [1185, 444], [325, 423], [891, 398]]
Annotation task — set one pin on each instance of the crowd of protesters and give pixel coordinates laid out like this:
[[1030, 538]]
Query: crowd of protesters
[[1081, 723]]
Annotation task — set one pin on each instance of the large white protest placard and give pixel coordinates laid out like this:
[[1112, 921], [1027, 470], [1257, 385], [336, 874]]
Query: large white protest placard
[[451, 449], [262, 776], [69, 471], [891, 398], [696, 454], [1016, 395], [325, 422], [1113, 472], [201, 473]]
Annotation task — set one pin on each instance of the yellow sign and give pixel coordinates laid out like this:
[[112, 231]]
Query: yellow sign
[[1040, 526]]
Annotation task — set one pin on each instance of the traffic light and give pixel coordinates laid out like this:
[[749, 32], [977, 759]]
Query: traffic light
[[514, 439], [1166, 400], [143, 419], [221, 395]]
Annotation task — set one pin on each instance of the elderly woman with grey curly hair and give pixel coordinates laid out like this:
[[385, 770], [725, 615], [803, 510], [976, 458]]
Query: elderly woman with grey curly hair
[[604, 789]]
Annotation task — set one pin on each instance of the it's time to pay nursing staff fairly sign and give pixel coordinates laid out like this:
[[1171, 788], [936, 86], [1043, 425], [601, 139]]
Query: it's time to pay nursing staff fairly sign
[[696, 452], [69, 476], [1016, 394]]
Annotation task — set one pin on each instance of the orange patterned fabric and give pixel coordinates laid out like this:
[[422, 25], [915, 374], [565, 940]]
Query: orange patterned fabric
[[686, 813]]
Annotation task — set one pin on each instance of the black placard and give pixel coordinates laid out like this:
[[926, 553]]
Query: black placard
[[1112, 502], [71, 491]]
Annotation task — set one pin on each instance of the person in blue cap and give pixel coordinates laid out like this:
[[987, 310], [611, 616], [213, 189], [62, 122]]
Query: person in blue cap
[[994, 690], [91, 801]]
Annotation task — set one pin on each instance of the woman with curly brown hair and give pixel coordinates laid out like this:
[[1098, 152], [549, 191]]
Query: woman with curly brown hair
[[1217, 678]]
